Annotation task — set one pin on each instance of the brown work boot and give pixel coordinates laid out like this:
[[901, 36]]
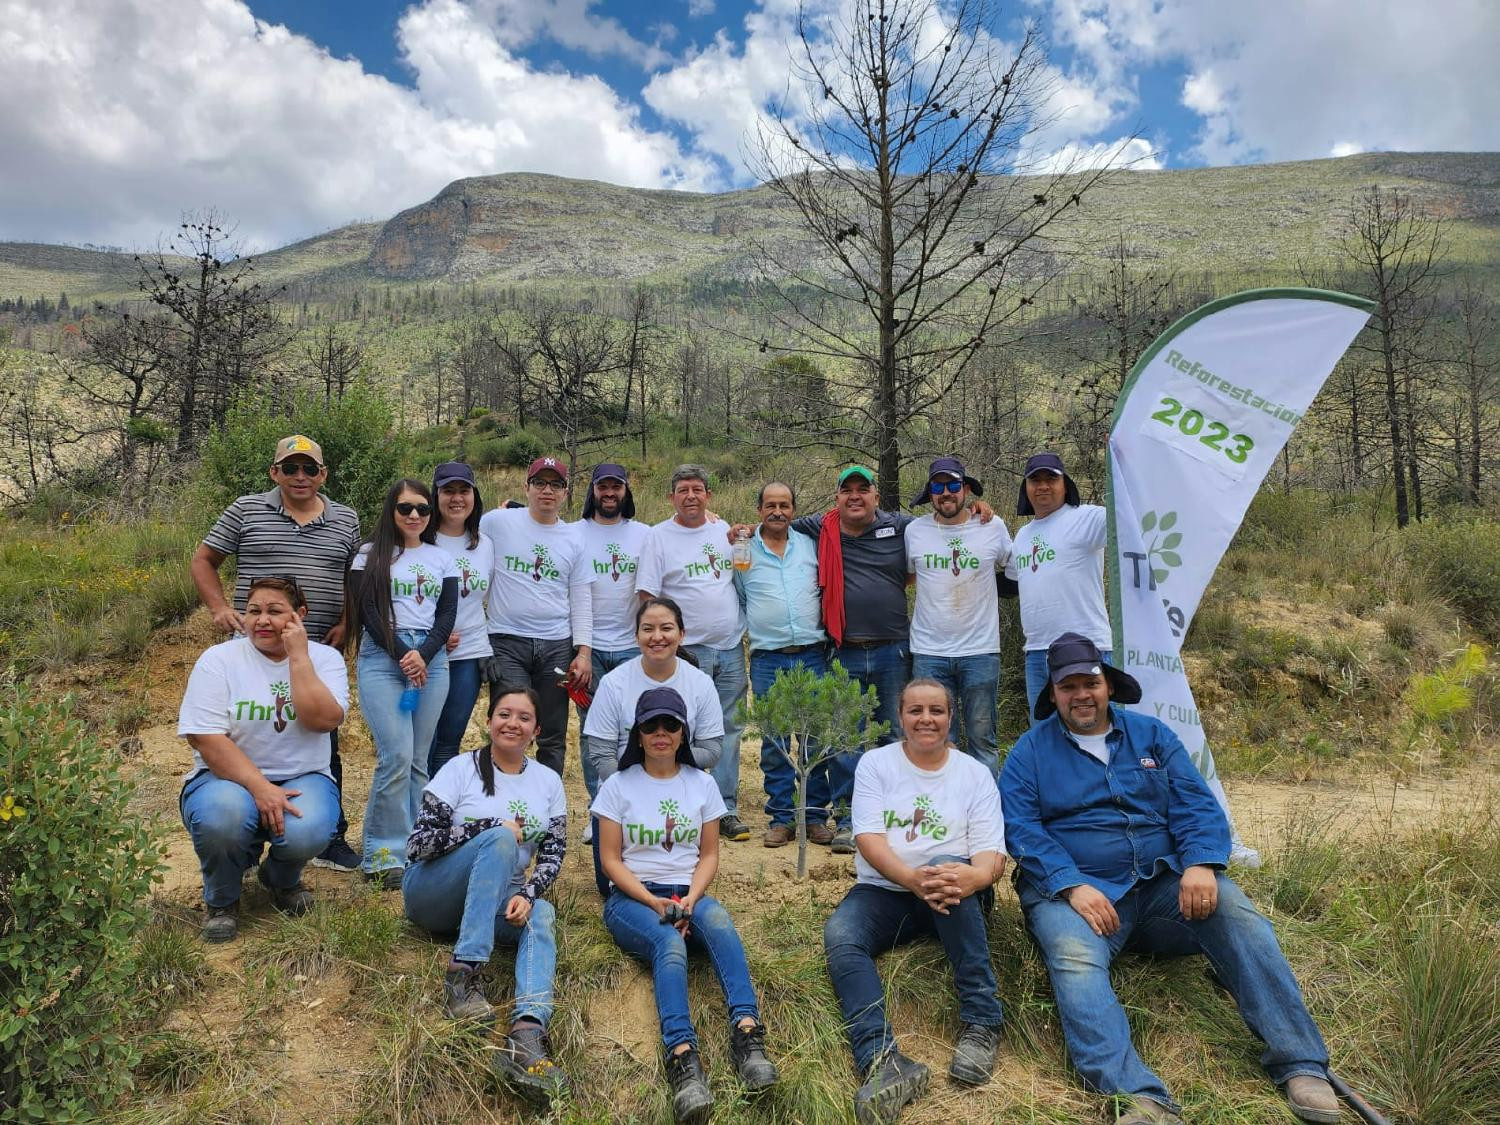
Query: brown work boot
[[819, 833], [1147, 1111], [779, 836], [1312, 1099]]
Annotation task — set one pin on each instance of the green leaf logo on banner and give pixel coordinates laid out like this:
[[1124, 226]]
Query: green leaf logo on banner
[[1162, 550]]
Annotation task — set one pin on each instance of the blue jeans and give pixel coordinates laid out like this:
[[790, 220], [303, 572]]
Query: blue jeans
[[602, 662], [458, 709], [874, 919], [886, 668], [1237, 940], [400, 767], [225, 827], [639, 931], [465, 891], [726, 666], [775, 765], [974, 683], [1036, 676]]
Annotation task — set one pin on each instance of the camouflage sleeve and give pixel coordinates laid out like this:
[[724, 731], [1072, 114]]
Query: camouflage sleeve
[[550, 850], [436, 834]]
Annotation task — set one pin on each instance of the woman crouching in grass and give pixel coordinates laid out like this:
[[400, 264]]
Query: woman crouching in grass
[[484, 817], [658, 821]]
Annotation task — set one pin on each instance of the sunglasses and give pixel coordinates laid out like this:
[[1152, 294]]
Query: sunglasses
[[938, 487], [661, 722], [294, 468], [406, 508]]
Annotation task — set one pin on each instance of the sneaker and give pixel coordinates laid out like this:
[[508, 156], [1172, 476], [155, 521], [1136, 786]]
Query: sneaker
[[1312, 1099], [779, 836], [1147, 1111], [588, 831], [221, 923], [819, 833], [747, 1046], [842, 842], [337, 856], [894, 1082], [691, 1097], [732, 827], [525, 1063], [386, 879], [463, 999], [974, 1054], [295, 901]]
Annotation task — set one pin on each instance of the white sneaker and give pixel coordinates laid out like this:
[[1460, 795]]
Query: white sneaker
[[588, 831]]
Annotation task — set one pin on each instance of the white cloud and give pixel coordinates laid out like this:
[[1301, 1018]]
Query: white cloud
[[1346, 148], [1202, 94], [571, 24], [137, 110], [697, 9], [1134, 153]]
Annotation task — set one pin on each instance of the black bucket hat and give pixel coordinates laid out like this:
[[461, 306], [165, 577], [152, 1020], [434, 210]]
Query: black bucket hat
[[946, 467], [1071, 654], [1045, 463], [653, 704]]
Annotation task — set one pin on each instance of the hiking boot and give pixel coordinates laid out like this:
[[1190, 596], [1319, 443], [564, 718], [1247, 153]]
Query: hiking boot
[[463, 999], [780, 835], [221, 923], [894, 1081], [842, 842], [747, 1046], [974, 1054], [295, 901], [1312, 1099], [819, 833], [337, 856], [1147, 1111], [386, 879], [732, 827], [525, 1063], [691, 1097]]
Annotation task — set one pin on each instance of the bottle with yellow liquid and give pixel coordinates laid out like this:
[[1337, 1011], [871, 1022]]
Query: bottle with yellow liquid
[[740, 553]]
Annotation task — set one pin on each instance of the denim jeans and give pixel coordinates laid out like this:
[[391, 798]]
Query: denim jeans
[[1036, 676], [465, 891], [886, 668], [1237, 940], [974, 682], [639, 931], [520, 661], [726, 667], [225, 827], [401, 741], [874, 919], [602, 662], [775, 767], [458, 709]]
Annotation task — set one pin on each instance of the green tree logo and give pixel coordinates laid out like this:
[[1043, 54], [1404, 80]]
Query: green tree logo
[[614, 561], [419, 572], [715, 560], [543, 560], [518, 814], [923, 812], [466, 574], [960, 553], [672, 815], [281, 695], [1161, 551]]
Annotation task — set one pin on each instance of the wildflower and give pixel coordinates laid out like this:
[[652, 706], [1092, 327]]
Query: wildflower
[[9, 809]]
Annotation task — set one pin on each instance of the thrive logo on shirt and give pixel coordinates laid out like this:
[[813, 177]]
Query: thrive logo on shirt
[[470, 579], [676, 828], [280, 710], [539, 565], [533, 828], [1039, 555], [422, 586], [715, 566], [958, 558], [619, 563], [923, 821]]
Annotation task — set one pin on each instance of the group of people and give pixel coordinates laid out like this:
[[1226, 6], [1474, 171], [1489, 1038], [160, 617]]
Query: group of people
[[1118, 843]]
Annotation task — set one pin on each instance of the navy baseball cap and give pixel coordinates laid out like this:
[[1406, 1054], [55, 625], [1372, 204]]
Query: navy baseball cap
[[450, 471], [947, 467], [657, 703], [610, 471], [1044, 463], [1073, 654]]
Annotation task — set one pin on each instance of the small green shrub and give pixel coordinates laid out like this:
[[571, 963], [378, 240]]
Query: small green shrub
[[520, 448], [75, 869], [1464, 561], [486, 452]]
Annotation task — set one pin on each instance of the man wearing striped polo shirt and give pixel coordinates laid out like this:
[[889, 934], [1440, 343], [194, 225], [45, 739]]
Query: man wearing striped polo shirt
[[289, 531]]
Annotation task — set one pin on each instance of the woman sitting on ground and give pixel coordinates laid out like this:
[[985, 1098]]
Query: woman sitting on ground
[[257, 712], [930, 835], [658, 830], [484, 817]]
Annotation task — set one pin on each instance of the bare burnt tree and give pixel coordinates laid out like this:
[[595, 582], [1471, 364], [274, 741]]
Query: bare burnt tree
[[1475, 328], [643, 336], [37, 435], [917, 249], [335, 360], [515, 346]]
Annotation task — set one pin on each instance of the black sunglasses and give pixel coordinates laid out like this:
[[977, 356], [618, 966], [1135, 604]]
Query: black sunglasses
[[406, 508], [293, 468], [661, 722], [938, 487]]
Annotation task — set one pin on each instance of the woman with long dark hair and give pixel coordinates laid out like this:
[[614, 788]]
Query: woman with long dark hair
[[403, 597]]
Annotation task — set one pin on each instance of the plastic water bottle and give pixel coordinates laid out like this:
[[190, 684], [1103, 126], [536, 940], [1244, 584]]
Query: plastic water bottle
[[409, 698], [740, 553]]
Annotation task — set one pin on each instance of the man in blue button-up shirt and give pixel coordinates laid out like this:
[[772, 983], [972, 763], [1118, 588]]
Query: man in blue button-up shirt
[[783, 616], [1120, 845]]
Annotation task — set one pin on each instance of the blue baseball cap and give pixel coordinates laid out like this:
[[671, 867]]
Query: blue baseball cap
[[947, 467]]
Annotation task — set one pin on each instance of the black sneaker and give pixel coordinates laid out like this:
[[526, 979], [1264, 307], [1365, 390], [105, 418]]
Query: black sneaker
[[843, 842], [894, 1081], [747, 1046], [732, 827], [691, 1097], [463, 998], [221, 923], [525, 1064], [337, 856], [295, 901], [974, 1054]]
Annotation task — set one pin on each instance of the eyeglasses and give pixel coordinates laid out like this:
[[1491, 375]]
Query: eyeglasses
[[406, 508], [938, 487], [548, 485], [661, 722], [293, 468]]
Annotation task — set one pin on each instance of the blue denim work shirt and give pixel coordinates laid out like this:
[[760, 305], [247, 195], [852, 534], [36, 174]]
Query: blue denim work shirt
[[780, 596], [1072, 819]]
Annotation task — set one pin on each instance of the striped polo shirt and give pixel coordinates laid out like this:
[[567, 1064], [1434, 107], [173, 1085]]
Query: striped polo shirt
[[266, 541]]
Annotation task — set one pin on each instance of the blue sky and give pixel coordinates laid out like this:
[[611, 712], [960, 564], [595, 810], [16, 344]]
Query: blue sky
[[296, 116]]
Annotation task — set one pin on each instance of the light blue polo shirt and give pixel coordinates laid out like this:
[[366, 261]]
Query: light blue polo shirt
[[780, 594]]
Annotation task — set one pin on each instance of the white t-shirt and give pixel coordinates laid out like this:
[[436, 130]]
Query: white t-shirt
[[614, 553], [236, 690], [661, 820], [957, 608], [1096, 745], [1058, 562], [416, 583], [613, 711], [691, 566], [924, 813], [472, 565], [538, 568], [531, 798]]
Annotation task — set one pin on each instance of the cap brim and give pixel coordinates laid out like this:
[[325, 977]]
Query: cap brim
[[1125, 687]]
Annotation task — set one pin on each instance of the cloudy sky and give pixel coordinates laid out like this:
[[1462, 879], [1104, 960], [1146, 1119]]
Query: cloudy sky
[[296, 116]]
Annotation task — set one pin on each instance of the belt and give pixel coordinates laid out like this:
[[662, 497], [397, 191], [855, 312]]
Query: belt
[[870, 644], [793, 650]]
